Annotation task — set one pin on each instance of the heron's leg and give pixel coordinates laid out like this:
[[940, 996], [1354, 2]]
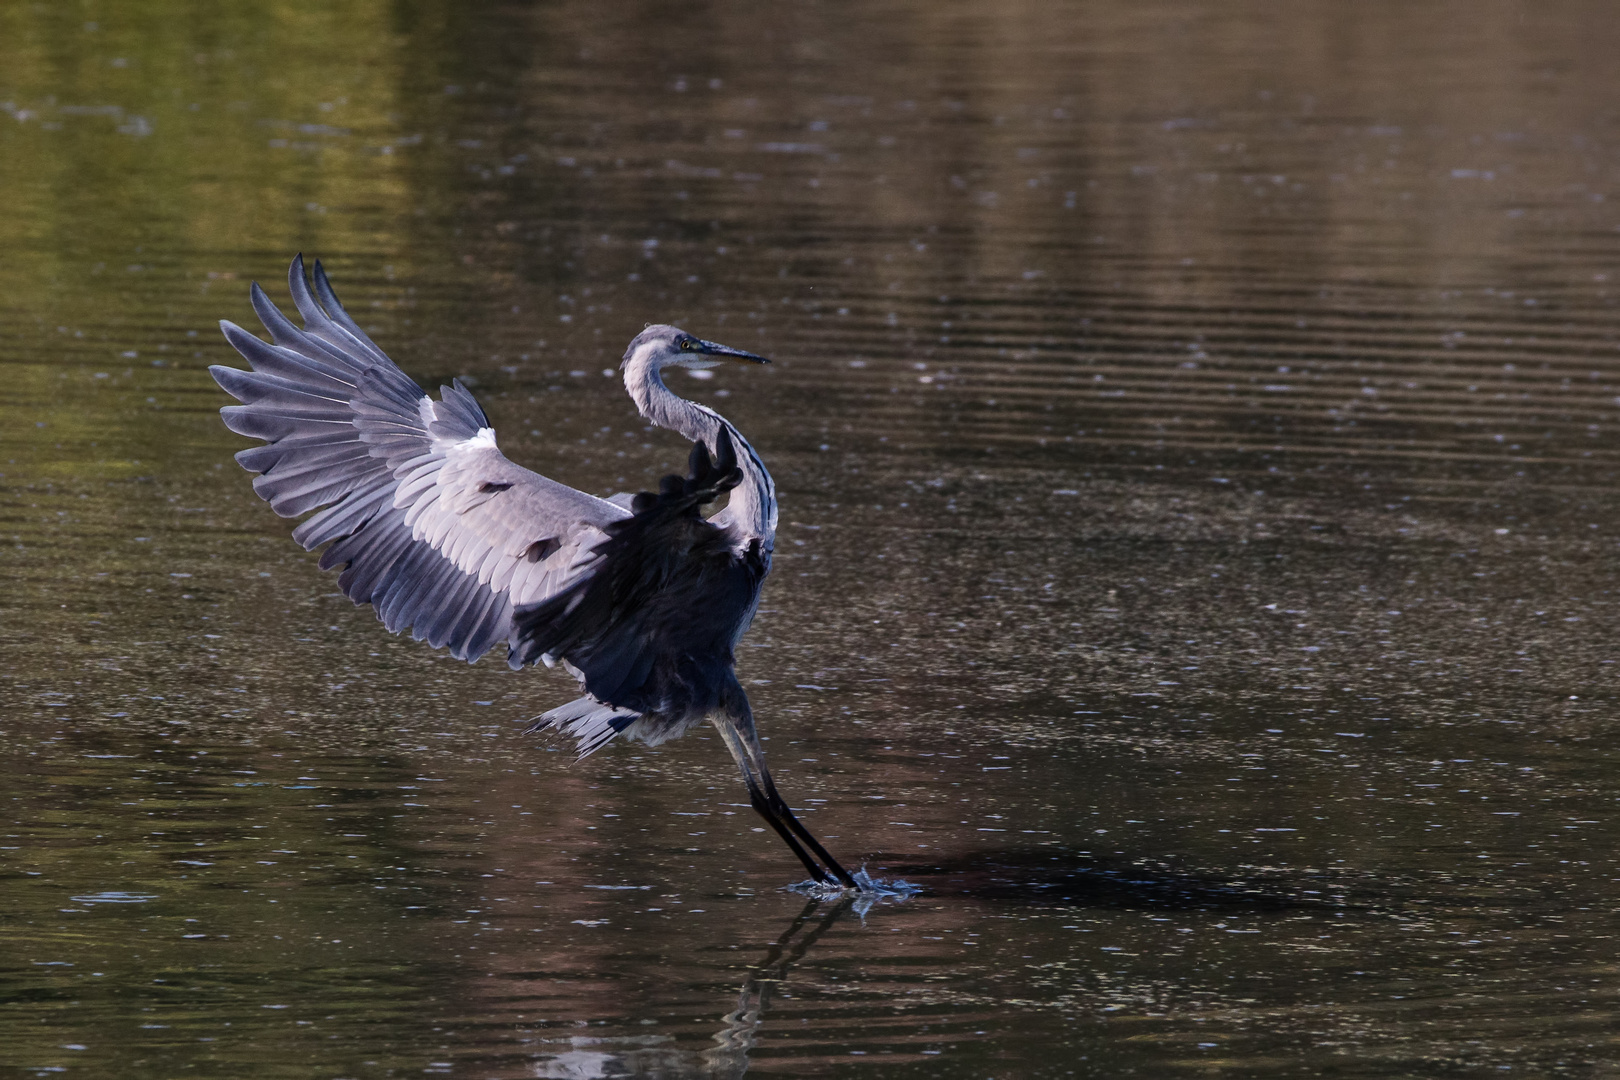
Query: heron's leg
[[762, 803], [780, 805], [737, 728]]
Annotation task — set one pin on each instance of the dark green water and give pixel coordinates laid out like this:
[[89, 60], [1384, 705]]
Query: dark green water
[[1196, 434]]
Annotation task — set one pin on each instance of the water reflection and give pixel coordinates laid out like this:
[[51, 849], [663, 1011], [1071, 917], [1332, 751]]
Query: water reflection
[[729, 1057]]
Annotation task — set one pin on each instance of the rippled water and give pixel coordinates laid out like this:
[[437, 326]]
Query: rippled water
[[1195, 428]]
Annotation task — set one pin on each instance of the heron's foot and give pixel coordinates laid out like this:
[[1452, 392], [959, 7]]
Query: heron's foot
[[867, 888]]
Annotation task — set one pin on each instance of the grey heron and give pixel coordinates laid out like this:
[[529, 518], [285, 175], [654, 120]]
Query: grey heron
[[641, 599]]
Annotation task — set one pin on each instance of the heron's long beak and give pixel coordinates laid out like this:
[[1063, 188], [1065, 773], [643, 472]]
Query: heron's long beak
[[714, 348]]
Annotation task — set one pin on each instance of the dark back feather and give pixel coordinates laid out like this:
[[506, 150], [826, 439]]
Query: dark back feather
[[653, 626]]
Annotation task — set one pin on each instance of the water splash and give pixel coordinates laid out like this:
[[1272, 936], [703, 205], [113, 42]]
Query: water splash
[[868, 891]]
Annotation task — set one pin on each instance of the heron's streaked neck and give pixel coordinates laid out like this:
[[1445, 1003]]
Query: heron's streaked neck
[[753, 502]]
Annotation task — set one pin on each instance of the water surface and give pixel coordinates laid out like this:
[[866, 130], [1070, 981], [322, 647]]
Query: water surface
[[1195, 429]]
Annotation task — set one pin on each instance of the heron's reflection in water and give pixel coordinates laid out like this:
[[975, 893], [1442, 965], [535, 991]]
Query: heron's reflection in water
[[729, 1057]]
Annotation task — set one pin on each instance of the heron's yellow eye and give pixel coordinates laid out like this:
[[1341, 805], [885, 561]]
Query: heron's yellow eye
[[688, 345]]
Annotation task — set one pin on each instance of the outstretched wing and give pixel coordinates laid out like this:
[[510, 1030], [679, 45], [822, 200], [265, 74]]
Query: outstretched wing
[[432, 525]]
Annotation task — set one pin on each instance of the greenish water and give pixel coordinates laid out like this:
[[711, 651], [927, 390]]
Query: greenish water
[[1195, 429]]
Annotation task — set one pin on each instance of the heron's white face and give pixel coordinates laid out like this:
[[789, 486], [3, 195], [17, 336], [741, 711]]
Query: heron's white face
[[693, 361], [658, 355]]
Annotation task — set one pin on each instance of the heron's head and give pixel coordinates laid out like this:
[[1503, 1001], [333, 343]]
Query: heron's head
[[661, 346]]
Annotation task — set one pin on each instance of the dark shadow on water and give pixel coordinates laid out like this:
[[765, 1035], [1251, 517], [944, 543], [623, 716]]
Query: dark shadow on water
[[1098, 881], [1095, 881]]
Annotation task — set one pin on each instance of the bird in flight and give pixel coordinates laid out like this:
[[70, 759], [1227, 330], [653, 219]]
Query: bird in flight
[[641, 598]]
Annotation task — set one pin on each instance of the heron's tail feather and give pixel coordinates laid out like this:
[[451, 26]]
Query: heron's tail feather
[[591, 723]]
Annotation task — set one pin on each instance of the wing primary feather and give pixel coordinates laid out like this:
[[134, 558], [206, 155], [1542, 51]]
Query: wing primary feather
[[267, 357], [293, 358], [316, 321], [397, 399], [285, 334], [245, 420], [283, 394], [263, 458], [343, 518], [345, 458], [340, 315], [370, 554]]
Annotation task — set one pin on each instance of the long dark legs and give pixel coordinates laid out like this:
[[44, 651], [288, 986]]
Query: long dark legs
[[736, 727]]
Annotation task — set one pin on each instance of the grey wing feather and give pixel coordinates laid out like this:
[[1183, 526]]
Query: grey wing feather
[[432, 524]]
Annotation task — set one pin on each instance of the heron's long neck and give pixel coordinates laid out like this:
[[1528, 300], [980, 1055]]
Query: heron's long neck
[[753, 502]]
